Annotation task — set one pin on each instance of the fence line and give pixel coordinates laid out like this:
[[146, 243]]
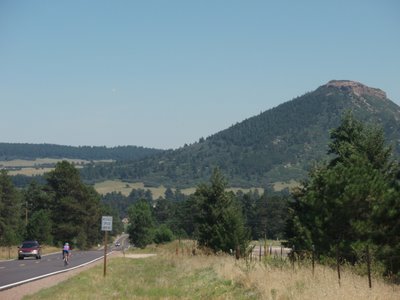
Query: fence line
[[293, 255]]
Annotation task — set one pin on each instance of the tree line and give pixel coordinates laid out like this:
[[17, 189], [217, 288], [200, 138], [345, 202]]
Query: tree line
[[216, 218], [63, 209], [9, 151], [177, 215]]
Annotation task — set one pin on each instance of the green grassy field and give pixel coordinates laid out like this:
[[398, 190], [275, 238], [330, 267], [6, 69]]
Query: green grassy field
[[148, 278], [182, 276]]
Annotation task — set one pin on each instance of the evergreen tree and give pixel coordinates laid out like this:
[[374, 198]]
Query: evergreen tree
[[261, 217], [40, 227], [141, 228], [163, 234], [10, 211], [220, 220], [183, 222], [36, 198], [353, 200], [75, 207], [276, 215], [249, 209]]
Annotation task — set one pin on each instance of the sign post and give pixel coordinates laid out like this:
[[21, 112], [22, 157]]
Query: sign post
[[106, 226]]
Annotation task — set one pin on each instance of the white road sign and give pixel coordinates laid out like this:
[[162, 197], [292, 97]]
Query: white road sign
[[106, 223]]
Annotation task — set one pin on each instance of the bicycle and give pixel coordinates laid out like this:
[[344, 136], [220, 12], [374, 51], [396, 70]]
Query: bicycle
[[66, 258]]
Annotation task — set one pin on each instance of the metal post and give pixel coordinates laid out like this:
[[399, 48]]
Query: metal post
[[313, 259], [105, 253], [337, 262], [265, 246], [369, 267], [293, 256]]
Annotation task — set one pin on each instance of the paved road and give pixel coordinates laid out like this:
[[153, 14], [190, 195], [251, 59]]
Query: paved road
[[16, 272]]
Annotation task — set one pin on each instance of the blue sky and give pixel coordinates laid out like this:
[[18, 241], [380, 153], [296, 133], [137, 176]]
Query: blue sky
[[164, 73]]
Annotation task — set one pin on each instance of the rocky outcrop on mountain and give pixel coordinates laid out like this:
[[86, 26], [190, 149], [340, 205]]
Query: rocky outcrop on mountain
[[356, 88]]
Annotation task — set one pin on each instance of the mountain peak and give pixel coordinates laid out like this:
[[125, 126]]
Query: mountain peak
[[356, 88]]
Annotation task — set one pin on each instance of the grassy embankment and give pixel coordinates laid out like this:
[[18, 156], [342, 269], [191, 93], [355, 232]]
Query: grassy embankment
[[171, 276]]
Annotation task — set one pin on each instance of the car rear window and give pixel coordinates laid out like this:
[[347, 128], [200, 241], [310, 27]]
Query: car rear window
[[29, 245]]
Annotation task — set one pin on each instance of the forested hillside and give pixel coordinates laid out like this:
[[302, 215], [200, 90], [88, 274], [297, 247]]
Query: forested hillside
[[280, 144], [9, 151]]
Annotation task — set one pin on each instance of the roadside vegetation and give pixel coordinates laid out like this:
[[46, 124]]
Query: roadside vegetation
[[183, 276]]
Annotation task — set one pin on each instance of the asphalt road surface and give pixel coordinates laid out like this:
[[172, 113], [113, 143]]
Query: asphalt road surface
[[16, 272]]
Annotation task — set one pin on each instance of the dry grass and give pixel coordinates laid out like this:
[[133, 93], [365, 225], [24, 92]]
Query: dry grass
[[125, 188], [277, 283], [30, 171], [110, 186], [275, 279], [39, 166], [23, 163], [279, 186], [184, 276]]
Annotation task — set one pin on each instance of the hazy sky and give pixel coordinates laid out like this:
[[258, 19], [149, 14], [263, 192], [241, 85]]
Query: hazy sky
[[164, 73]]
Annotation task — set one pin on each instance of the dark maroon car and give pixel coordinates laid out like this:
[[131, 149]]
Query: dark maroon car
[[29, 249]]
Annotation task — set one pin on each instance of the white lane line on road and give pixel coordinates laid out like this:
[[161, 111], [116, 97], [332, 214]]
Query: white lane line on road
[[4, 287]]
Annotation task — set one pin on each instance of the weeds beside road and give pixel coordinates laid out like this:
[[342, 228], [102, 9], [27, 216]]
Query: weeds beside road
[[173, 276]]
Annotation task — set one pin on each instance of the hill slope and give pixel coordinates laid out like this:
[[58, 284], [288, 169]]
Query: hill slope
[[277, 145], [9, 151]]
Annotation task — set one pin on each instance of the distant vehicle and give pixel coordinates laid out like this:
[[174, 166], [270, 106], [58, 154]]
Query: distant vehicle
[[30, 249], [117, 244]]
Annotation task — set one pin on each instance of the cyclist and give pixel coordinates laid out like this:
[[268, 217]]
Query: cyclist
[[66, 253]]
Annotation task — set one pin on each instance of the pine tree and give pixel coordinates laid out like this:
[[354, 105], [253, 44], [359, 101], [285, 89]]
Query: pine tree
[[10, 211], [220, 220], [353, 201], [75, 207], [141, 228]]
